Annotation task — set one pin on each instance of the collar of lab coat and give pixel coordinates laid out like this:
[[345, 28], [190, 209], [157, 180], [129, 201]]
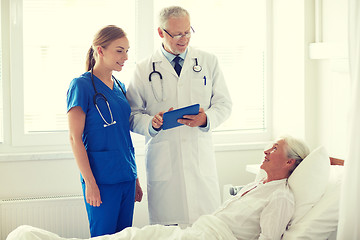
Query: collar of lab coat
[[170, 57], [164, 64]]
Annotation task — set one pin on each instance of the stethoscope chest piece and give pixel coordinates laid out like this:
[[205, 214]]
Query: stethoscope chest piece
[[197, 68]]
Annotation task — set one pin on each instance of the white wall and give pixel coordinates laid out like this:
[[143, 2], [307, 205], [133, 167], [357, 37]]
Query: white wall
[[334, 82], [311, 81]]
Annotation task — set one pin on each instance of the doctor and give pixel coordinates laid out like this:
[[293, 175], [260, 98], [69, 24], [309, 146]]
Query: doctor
[[180, 162]]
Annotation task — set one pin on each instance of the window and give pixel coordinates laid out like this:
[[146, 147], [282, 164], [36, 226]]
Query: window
[[49, 40], [55, 49], [56, 36]]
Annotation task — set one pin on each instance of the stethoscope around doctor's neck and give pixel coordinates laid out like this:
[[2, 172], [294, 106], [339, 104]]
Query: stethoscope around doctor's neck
[[98, 95], [196, 68]]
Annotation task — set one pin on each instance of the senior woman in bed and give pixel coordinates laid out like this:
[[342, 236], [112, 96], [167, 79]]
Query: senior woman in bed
[[261, 210]]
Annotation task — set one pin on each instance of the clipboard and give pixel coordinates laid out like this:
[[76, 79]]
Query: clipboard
[[170, 118]]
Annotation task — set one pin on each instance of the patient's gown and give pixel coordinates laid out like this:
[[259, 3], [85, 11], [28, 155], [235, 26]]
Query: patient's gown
[[259, 211]]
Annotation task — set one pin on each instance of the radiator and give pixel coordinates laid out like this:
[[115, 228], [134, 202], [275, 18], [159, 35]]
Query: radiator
[[63, 215]]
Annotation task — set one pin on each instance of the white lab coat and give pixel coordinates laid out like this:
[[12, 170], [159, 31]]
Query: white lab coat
[[182, 181]]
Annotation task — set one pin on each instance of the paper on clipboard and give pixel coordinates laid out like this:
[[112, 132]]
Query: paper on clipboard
[[170, 118]]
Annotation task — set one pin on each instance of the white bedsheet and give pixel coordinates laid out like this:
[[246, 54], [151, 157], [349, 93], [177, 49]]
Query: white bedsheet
[[207, 227]]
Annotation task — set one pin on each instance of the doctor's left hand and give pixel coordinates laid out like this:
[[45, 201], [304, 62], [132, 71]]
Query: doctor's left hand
[[138, 191], [194, 120]]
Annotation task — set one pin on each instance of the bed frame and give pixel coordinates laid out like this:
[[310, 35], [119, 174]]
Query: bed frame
[[336, 161]]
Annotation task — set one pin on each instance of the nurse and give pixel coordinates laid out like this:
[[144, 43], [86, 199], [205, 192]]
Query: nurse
[[98, 116], [181, 169]]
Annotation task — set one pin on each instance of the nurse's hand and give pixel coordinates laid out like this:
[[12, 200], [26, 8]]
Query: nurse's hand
[[199, 120], [138, 191], [92, 194], [157, 120]]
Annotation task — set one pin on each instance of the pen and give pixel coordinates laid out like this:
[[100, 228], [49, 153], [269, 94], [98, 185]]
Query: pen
[[205, 80]]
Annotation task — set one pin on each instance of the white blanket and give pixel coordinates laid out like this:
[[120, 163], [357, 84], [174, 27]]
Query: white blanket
[[207, 227]]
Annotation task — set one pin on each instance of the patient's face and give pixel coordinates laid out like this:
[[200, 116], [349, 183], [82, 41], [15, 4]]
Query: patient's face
[[275, 157]]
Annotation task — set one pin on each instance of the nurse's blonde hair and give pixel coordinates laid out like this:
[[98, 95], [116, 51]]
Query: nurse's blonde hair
[[102, 38]]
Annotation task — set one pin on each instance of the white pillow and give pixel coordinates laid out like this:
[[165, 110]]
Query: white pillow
[[309, 181], [322, 220]]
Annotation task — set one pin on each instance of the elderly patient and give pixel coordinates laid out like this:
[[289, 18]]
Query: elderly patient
[[261, 210]]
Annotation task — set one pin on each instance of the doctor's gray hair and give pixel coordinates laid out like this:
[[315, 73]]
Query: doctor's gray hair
[[102, 38], [296, 149], [168, 12]]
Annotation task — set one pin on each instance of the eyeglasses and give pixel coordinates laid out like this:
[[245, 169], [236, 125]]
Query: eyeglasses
[[177, 37]]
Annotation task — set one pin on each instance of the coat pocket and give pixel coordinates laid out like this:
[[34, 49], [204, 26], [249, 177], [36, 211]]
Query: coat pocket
[[201, 92], [158, 161]]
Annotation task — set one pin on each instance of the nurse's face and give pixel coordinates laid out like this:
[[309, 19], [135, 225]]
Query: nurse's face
[[115, 54], [176, 26]]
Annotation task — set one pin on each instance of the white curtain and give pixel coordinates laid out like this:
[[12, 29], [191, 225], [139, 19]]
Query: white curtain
[[349, 219]]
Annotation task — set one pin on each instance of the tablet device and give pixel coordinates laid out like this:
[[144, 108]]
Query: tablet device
[[170, 118]]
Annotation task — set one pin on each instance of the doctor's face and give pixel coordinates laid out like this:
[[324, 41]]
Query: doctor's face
[[176, 26]]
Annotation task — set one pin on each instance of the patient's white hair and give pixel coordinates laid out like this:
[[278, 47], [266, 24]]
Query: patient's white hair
[[296, 149]]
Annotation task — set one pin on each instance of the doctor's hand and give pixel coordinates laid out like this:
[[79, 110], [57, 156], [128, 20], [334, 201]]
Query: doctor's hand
[[199, 120], [157, 120], [92, 194], [138, 191]]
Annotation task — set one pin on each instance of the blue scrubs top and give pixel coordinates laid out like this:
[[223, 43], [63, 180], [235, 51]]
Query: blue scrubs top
[[110, 149]]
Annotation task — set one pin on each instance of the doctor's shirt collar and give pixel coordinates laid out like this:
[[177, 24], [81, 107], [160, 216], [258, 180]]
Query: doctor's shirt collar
[[170, 57]]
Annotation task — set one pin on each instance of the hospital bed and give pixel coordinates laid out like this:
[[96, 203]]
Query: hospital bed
[[316, 184]]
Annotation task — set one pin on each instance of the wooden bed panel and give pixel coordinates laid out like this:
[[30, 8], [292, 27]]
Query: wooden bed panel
[[336, 161]]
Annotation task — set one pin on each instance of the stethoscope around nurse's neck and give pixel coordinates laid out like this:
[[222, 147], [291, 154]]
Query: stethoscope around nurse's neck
[[196, 68], [100, 95]]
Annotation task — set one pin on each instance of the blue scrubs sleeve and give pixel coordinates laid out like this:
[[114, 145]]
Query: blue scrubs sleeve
[[78, 94]]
